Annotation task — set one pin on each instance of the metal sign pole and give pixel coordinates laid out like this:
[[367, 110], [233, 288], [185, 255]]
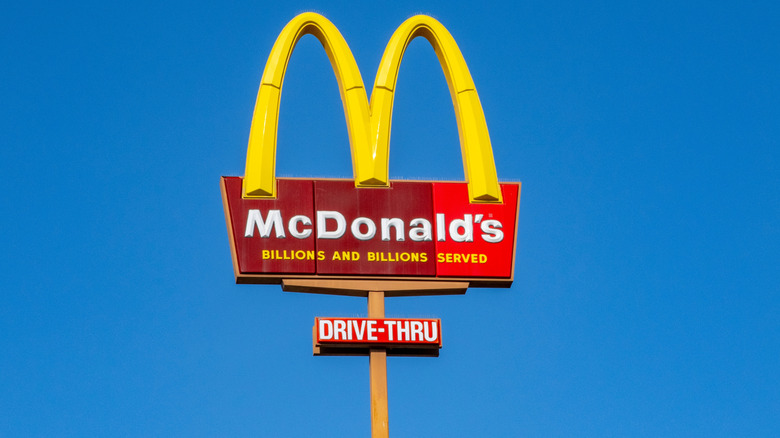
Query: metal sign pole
[[378, 372]]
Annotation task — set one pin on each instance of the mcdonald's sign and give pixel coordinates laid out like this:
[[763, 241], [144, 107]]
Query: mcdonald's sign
[[371, 227]]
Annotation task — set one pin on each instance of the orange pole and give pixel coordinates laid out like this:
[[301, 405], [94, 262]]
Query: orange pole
[[378, 372]]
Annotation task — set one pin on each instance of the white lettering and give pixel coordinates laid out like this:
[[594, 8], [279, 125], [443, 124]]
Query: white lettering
[[370, 225], [390, 325], [372, 330], [340, 327], [403, 331], [441, 230], [492, 234], [293, 227], [417, 331], [255, 220], [322, 231], [360, 329], [434, 332], [364, 228], [399, 229], [421, 234], [325, 329], [468, 229]]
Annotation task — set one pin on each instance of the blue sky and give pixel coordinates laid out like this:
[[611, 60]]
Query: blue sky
[[646, 296]]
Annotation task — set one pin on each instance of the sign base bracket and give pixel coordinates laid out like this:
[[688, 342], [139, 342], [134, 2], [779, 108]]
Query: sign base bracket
[[360, 288]]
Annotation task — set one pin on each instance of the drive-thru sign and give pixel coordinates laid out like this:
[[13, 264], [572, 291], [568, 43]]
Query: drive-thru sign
[[371, 236]]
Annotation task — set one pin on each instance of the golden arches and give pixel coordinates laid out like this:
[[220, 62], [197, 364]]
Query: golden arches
[[369, 125]]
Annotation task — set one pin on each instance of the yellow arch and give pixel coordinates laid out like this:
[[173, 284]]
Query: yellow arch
[[369, 125], [478, 164], [259, 177]]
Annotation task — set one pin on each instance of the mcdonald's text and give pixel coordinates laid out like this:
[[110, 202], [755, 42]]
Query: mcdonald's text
[[364, 228]]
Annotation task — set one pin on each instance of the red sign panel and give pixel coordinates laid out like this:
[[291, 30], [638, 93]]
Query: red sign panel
[[412, 230], [377, 332], [480, 238], [377, 222], [273, 235]]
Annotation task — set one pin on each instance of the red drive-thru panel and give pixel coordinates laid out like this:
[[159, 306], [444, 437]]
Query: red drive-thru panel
[[474, 240], [383, 229], [378, 332]]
